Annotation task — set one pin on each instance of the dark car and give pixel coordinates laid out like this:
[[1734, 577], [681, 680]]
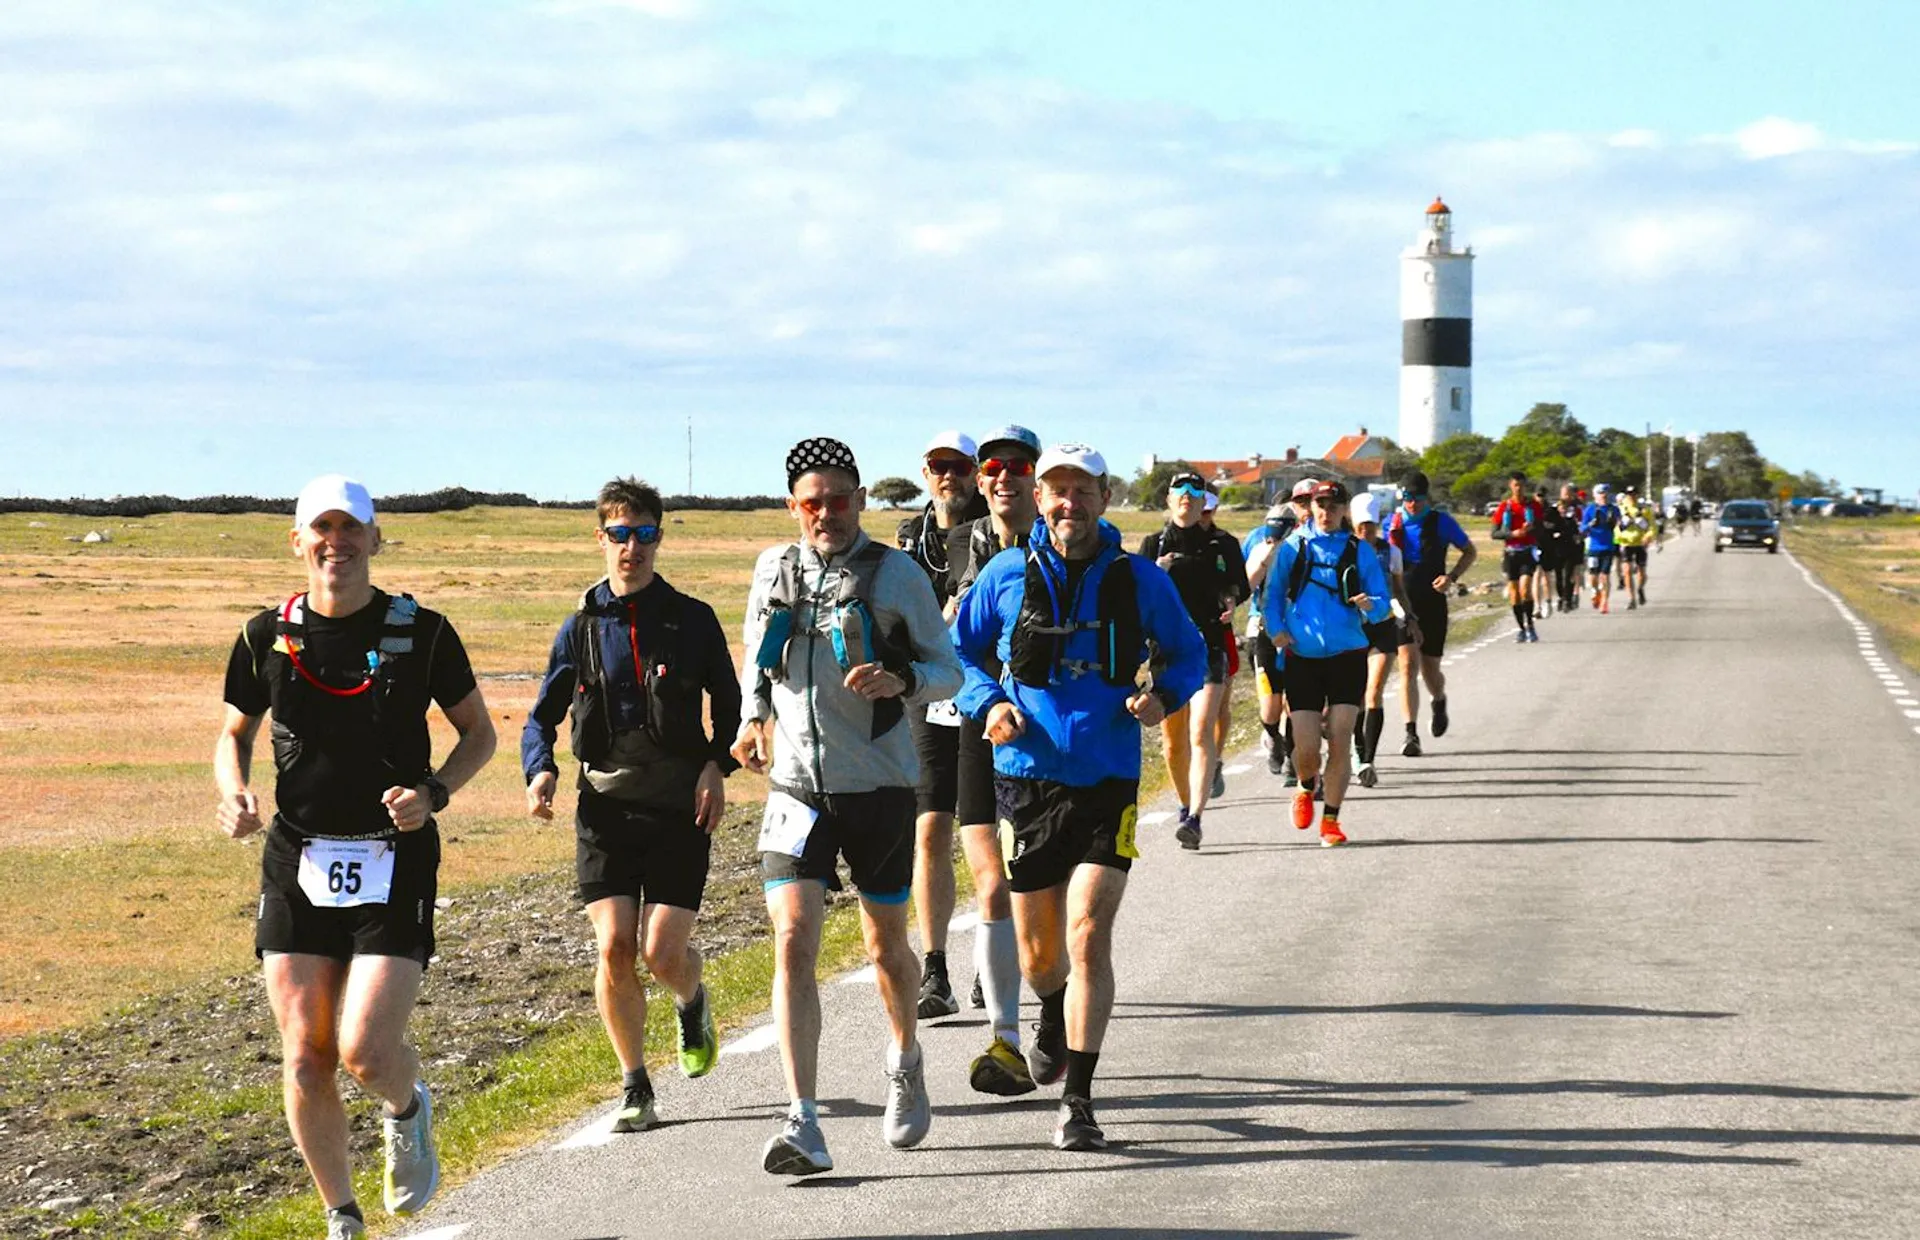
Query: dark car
[[1843, 508], [1747, 523]]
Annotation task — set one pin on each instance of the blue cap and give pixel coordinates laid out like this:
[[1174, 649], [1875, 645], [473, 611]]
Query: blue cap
[[1009, 435]]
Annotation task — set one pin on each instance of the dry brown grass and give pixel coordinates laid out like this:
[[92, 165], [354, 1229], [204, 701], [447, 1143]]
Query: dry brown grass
[[1875, 564]]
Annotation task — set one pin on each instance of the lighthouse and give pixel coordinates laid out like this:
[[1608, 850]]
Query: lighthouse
[[1436, 335]]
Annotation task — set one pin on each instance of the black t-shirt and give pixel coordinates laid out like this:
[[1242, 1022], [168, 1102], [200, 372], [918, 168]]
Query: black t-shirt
[[335, 756], [1201, 573]]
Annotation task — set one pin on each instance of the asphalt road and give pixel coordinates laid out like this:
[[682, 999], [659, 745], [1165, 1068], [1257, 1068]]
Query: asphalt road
[[1630, 953]]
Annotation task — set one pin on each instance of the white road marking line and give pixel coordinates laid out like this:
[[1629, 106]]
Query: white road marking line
[[601, 1133], [868, 976], [963, 923], [444, 1233], [1912, 714], [1906, 701], [766, 1037], [1153, 820], [1238, 768]]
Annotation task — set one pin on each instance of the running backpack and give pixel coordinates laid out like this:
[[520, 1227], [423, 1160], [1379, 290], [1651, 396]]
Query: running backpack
[[671, 714], [1037, 646], [1345, 573], [846, 619]]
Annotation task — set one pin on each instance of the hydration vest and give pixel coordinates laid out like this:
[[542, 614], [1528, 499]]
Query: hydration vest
[[307, 710], [846, 619], [980, 549], [1346, 573], [1432, 560], [1037, 646], [670, 714]]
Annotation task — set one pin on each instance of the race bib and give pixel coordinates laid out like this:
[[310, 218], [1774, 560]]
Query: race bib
[[944, 714], [1123, 839], [346, 873], [786, 825]]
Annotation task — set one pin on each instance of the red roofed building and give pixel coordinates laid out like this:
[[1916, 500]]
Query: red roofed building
[[1360, 456], [1274, 475]]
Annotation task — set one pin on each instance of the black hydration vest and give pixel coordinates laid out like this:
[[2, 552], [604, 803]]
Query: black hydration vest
[[306, 712], [1346, 573], [1037, 647], [1433, 552], [668, 687], [853, 627]]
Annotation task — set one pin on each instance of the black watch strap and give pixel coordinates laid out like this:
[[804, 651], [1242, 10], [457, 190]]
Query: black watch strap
[[437, 792]]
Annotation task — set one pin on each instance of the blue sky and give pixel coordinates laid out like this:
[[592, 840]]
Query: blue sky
[[520, 247]]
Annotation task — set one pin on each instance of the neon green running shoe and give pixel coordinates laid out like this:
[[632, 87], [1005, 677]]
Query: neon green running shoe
[[699, 1045]]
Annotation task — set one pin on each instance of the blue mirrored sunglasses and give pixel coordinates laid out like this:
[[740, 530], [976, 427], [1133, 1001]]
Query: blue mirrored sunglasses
[[1187, 488], [646, 534]]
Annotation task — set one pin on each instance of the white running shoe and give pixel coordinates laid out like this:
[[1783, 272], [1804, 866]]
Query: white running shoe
[[909, 1113], [413, 1168], [799, 1148]]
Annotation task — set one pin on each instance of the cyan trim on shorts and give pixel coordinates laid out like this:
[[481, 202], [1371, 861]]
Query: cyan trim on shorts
[[888, 897]]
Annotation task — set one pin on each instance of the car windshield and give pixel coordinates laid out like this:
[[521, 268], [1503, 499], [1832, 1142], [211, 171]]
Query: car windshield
[[1746, 512]]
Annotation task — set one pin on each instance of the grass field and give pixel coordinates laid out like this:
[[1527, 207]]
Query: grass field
[[1875, 565]]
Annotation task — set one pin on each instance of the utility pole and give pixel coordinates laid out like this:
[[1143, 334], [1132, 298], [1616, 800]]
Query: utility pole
[[1649, 443], [689, 454], [1694, 439], [1670, 478]]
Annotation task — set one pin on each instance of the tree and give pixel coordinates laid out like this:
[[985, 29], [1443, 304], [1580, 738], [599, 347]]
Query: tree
[[894, 492], [1149, 486], [1447, 461], [1240, 495], [1399, 461], [1731, 467]]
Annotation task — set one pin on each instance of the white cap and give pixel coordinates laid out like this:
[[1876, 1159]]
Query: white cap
[[1366, 507], [1071, 456], [1603, 486], [332, 493], [1212, 502], [952, 441]]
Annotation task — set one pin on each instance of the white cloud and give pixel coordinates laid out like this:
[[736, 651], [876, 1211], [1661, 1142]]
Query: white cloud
[[1774, 136]]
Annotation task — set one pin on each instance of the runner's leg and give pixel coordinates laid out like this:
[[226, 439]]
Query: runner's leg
[[304, 992], [379, 998], [1204, 745], [797, 909], [883, 927], [1093, 902], [669, 951], [617, 990], [933, 889]]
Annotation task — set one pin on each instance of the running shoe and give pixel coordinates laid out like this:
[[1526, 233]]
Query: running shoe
[[1303, 809], [936, 996], [1533, 635], [1643, 596], [909, 1114], [1288, 776], [1276, 760], [1367, 775], [1219, 788], [1077, 1129], [1439, 717], [978, 999], [799, 1148], [1331, 836], [636, 1113], [413, 1168], [1606, 608], [698, 1043], [1047, 1054], [1188, 832], [1631, 604], [1520, 637], [1410, 748], [1001, 1071], [344, 1226]]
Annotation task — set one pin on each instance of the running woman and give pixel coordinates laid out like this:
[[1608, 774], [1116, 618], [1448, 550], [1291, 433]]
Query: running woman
[[843, 637], [350, 869], [1068, 623], [1516, 521], [1257, 551], [947, 467], [1423, 533], [1566, 573], [1386, 638], [1326, 585], [1600, 522], [631, 668]]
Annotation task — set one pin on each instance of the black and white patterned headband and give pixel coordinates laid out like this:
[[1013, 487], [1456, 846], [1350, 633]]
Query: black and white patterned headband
[[820, 453]]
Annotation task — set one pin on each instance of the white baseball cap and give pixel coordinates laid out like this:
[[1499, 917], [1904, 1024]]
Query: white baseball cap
[[1366, 507], [1071, 456], [952, 441], [1211, 502], [332, 493]]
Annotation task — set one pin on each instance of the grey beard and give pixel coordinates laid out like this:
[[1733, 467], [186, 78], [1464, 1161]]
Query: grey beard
[[947, 511]]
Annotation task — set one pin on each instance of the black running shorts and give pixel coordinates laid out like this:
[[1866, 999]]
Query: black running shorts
[[975, 804], [289, 923], [1430, 613], [1047, 829], [1387, 636], [1600, 562], [1217, 666], [1636, 557], [939, 750], [873, 830], [1267, 665], [1317, 684], [651, 854], [1518, 562]]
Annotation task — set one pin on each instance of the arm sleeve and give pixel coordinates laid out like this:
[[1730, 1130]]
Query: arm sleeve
[[756, 690], [449, 672], [1451, 531], [936, 669], [1275, 607], [976, 639], [1182, 650], [550, 706], [723, 693], [1379, 589], [1236, 571]]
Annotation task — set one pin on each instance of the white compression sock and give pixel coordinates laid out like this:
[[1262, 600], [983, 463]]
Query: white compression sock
[[996, 957]]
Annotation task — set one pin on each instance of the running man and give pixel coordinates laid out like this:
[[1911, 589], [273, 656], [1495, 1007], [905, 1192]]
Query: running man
[[1564, 518], [1516, 521], [843, 638], [1600, 521], [1386, 638], [1423, 533], [1068, 623], [1546, 553], [1637, 533], [947, 467], [349, 872], [1228, 548], [1007, 458], [1209, 583], [1325, 586], [630, 667]]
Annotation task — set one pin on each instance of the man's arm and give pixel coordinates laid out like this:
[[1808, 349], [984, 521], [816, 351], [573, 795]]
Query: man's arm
[[976, 639], [239, 809], [409, 808], [550, 706], [1183, 651]]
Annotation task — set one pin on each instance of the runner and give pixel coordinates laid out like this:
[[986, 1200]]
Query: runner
[[1386, 639], [1566, 572], [1256, 550], [630, 667], [947, 468], [1547, 539], [1599, 521], [1069, 622], [1227, 547], [1516, 521], [1007, 458], [844, 637], [349, 871], [1325, 585], [1423, 533], [1635, 536], [1210, 581]]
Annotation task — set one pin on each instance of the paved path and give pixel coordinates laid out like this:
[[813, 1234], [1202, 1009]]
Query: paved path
[[1630, 953]]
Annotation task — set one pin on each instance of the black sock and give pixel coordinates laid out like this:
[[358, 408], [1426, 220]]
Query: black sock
[[1053, 1009], [636, 1079], [694, 1004], [1286, 733], [1273, 731], [1370, 730], [937, 963], [1413, 729], [1080, 1065], [413, 1107], [1329, 813], [351, 1210], [1529, 608], [1519, 616]]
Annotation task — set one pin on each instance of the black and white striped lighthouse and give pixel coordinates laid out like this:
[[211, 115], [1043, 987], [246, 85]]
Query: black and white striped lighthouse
[[1436, 335]]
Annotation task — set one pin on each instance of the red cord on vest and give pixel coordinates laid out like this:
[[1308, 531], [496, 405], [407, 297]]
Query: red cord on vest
[[293, 653]]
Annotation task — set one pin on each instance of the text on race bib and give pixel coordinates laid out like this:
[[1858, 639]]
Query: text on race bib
[[944, 714], [786, 825], [346, 873]]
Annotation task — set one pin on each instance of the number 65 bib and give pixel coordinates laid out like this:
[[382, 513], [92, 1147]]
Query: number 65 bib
[[346, 873]]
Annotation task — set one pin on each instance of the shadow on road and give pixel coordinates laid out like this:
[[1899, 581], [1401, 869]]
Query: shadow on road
[[1612, 753], [1308, 843], [1506, 1089], [1183, 1011], [1105, 1233]]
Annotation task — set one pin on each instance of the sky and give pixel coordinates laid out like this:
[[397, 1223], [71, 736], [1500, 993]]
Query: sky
[[524, 247]]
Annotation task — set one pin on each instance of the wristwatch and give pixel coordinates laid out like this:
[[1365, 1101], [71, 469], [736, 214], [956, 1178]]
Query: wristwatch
[[437, 793]]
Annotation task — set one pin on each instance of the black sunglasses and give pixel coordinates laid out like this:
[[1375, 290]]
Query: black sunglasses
[[646, 535], [947, 465]]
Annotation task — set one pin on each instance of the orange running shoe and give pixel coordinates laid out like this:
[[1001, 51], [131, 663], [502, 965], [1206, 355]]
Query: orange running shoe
[[1331, 836], [1303, 808]]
